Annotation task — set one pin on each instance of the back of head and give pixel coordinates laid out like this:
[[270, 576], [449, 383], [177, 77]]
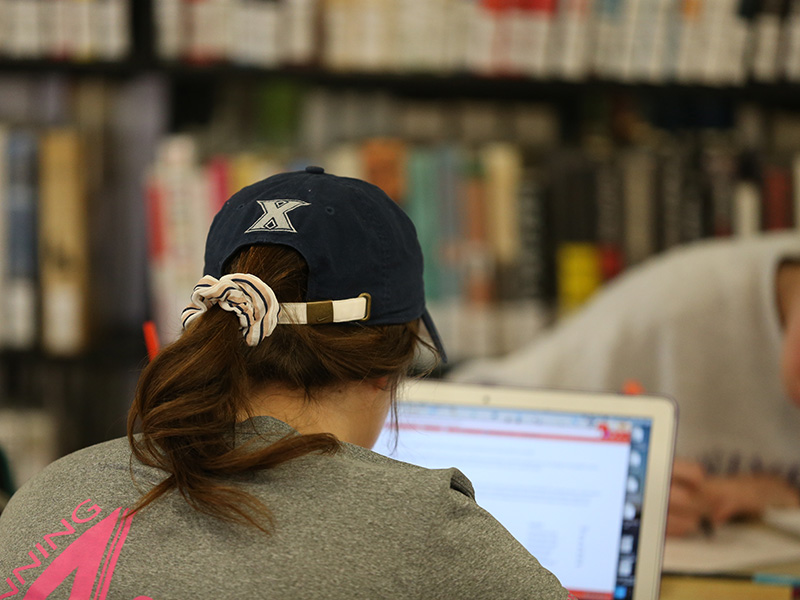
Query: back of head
[[331, 297]]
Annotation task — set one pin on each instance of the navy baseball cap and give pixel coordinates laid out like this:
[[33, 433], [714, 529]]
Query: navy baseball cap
[[356, 240]]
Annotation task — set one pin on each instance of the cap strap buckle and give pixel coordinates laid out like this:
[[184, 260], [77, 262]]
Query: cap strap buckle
[[326, 311]]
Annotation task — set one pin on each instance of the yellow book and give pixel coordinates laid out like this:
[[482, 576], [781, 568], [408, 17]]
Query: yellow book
[[63, 243], [579, 274]]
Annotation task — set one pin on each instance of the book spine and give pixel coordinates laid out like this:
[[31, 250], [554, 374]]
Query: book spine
[[791, 64], [541, 17], [578, 271], [85, 45], [719, 165], [610, 218], [63, 244], [385, 164], [690, 45], [766, 41], [421, 206], [111, 29], [22, 195], [796, 190], [638, 172], [171, 23], [746, 209], [24, 39], [479, 283], [299, 17], [575, 34], [502, 163], [4, 225], [777, 198]]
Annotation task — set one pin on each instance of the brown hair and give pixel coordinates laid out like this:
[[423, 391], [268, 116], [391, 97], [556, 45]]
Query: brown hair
[[188, 398]]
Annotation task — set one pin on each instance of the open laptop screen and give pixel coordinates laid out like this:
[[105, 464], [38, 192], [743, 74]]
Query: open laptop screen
[[568, 485]]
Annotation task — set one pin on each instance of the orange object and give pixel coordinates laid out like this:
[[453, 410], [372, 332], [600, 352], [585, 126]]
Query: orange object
[[632, 387], [150, 339]]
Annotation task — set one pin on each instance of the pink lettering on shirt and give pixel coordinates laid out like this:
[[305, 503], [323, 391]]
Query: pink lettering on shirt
[[91, 558]]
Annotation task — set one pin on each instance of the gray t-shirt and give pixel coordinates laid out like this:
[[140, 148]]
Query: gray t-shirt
[[349, 525]]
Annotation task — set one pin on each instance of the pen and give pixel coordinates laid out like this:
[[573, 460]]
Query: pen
[[707, 527]]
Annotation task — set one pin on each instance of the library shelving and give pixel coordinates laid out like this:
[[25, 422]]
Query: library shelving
[[530, 185]]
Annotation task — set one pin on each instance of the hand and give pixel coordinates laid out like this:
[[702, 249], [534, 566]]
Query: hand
[[749, 495], [687, 503], [695, 497]]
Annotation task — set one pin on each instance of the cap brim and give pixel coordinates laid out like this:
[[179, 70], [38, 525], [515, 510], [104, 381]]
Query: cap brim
[[433, 333]]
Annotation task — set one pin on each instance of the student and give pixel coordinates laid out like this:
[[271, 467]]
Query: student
[[715, 325], [252, 475]]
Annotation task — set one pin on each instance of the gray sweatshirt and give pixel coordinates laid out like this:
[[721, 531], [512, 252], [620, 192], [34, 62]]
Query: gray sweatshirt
[[350, 525]]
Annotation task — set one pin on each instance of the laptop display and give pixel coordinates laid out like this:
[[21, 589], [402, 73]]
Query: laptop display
[[581, 480]]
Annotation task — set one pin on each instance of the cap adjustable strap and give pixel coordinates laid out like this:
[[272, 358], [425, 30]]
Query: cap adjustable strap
[[326, 311]]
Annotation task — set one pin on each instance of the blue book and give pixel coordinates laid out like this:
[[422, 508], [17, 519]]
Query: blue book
[[20, 217]]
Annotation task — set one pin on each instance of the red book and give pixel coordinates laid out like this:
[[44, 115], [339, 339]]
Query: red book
[[219, 182], [777, 198]]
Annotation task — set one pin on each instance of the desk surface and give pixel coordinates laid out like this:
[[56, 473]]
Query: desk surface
[[697, 588], [694, 588]]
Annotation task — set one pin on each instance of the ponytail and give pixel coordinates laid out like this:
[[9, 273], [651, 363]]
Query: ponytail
[[191, 395]]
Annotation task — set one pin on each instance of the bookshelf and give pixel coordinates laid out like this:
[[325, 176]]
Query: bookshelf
[[556, 151]]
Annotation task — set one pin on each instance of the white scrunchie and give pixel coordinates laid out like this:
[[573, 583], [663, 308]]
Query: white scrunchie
[[251, 299]]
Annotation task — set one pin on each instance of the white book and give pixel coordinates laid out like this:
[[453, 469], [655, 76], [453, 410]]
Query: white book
[[572, 22], [4, 183], [735, 52], [746, 209], [111, 29], [521, 36], [456, 30], [481, 35], [180, 182], [336, 31], [299, 30], [791, 55], [4, 26], [608, 21], [345, 160], [209, 29], [665, 71], [256, 35], [658, 30], [171, 36], [502, 164], [638, 181], [82, 32], [766, 42], [540, 26], [690, 42], [24, 36], [376, 35], [721, 19], [628, 41]]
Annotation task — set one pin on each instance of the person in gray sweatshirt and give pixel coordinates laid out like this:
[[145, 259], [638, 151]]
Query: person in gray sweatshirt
[[247, 471]]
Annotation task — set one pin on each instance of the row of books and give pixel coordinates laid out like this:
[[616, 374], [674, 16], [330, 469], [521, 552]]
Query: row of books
[[44, 241], [65, 30], [513, 237], [710, 42]]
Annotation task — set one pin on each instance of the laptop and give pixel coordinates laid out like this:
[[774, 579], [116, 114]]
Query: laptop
[[580, 479]]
